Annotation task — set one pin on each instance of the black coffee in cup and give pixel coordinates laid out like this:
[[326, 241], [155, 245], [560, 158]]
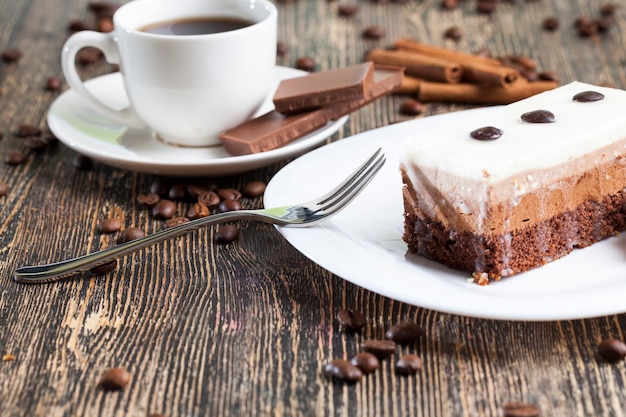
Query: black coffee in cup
[[196, 26]]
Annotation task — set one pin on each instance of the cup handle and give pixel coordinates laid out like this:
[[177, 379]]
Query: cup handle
[[106, 43]]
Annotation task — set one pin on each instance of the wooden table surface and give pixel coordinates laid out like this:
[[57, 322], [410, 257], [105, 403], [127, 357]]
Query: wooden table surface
[[244, 329]]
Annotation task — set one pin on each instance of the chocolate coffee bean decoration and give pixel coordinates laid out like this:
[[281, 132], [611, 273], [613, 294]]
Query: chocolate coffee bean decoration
[[486, 133], [539, 116]]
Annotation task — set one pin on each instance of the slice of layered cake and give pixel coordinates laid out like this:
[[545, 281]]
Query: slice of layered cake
[[508, 190]]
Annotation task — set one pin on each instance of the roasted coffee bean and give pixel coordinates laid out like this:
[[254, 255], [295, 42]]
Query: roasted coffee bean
[[198, 210], [380, 348], [548, 76], [408, 364], [14, 158], [88, 55], [104, 268], [11, 55], [612, 350], [539, 116], [175, 221], [4, 188], [305, 63], [229, 194], [35, 143], [282, 49], [53, 84], [520, 409], [82, 162], [78, 25], [195, 191], [347, 10], [164, 209], [105, 25], [449, 4], [210, 199], [229, 205], [604, 23], [351, 320], [586, 27], [366, 362], [109, 225], [254, 189], [49, 138], [485, 6], [607, 9], [114, 379], [343, 370], [588, 96], [130, 233], [148, 200], [25, 130], [453, 33], [227, 233], [404, 333], [411, 107], [486, 133], [374, 32], [160, 187], [177, 192], [551, 23]]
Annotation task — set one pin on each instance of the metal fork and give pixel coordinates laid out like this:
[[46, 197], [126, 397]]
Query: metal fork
[[298, 215]]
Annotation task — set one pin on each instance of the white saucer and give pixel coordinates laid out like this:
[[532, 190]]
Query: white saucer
[[363, 243], [85, 131]]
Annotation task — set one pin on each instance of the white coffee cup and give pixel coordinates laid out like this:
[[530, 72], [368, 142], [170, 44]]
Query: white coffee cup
[[187, 89]]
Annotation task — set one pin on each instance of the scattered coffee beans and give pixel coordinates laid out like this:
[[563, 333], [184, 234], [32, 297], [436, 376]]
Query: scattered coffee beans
[[210, 199], [411, 107], [82, 162], [164, 209], [229, 205], [229, 194], [35, 143], [160, 187], [551, 23], [104, 268], [343, 370], [148, 200], [4, 188], [130, 233], [254, 189], [14, 158], [366, 362], [114, 379], [178, 192], [109, 225], [404, 333], [408, 364], [380, 348], [351, 320], [198, 210], [520, 409], [53, 84], [453, 33], [612, 350], [227, 233], [25, 130], [305, 63], [374, 32], [175, 221], [347, 10], [282, 49], [11, 55], [449, 4]]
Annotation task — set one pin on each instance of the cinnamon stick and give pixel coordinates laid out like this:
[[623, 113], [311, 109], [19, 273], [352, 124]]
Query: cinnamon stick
[[444, 53], [481, 94], [479, 73], [419, 66], [410, 85]]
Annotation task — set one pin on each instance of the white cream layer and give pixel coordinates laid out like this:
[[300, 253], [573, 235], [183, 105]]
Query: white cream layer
[[580, 128]]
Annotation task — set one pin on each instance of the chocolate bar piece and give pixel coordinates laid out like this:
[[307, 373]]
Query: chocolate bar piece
[[274, 129], [317, 90]]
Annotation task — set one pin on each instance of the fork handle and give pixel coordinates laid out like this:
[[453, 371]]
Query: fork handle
[[56, 271]]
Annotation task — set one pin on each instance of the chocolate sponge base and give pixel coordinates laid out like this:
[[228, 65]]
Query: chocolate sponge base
[[494, 256]]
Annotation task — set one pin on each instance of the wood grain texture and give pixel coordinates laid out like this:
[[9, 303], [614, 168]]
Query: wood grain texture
[[244, 329]]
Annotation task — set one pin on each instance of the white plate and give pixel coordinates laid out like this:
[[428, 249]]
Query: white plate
[[363, 243], [88, 133]]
